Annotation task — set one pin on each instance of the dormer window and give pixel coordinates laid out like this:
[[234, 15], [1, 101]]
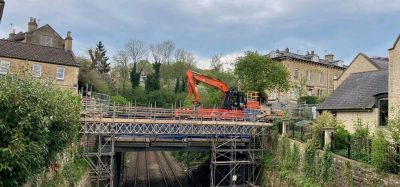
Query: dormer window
[[46, 40]]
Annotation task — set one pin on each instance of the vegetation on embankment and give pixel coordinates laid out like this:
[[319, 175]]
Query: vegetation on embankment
[[37, 121], [191, 159]]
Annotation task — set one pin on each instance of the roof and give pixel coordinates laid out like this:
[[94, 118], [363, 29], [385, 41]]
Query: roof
[[21, 35], [357, 91], [38, 53], [381, 62], [279, 55], [17, 37]]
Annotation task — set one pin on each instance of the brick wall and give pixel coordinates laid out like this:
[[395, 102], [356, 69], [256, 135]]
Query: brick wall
[[48, 72]]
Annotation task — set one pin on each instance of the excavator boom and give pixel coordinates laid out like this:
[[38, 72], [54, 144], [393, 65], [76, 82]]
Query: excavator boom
[[193, 78]]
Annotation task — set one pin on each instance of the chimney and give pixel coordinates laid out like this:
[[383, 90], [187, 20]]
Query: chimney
[[32, 25], [287, 50], [12, 33], [68, 42], [329, 57]]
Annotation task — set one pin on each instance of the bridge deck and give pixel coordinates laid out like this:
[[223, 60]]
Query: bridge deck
[[175, 121]]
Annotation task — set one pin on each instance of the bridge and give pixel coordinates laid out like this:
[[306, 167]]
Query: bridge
[[108, 130]]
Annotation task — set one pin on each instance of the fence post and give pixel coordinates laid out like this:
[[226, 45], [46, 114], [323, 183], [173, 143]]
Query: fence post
[[332, 141], [293, 130], [302, 133], [327, 136], [348, 146]]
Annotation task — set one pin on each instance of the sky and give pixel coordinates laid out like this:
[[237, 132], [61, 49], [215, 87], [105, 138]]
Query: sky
[[218, 27]]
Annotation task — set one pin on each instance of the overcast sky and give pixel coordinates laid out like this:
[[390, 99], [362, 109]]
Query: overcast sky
[[224, 27]]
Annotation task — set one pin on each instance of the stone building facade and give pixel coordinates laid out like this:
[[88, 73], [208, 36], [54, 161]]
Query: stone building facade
[[363, 63], [310, 75], [394, 78], [368, 90], [41, 53]]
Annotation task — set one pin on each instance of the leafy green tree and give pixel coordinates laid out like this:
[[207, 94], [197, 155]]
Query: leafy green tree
[[91, 77], [153, 80], [257, 72], [135, 76], [99, 59], [37, 121]]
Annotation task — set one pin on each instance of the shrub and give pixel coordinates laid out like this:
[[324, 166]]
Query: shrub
[[380, 151], [309, 99], [37, 121], [119, 100]]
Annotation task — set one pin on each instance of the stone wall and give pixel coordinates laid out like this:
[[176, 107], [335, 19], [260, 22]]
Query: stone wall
[[46, 30], [351, 173], [394, 79], [361, 63], [48, 72], [369, 118]]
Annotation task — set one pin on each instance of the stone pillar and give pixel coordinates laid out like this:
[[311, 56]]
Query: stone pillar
[[284, 126], [328, 131]]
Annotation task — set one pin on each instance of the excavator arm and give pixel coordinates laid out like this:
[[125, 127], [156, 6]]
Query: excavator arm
[[193, 78]]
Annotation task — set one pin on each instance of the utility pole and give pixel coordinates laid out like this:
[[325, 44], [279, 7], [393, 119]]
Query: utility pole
[[2, 4]]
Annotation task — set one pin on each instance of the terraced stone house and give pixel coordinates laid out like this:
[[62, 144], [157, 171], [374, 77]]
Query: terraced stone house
[[310, 74], [41, 52]]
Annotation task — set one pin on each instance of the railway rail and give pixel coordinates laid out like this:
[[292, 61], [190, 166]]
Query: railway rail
[[157, 169]]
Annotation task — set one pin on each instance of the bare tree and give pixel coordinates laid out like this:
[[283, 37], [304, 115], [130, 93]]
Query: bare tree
[[187, 57], [216, 63], [137, 50], [162, 52], [121, 60]]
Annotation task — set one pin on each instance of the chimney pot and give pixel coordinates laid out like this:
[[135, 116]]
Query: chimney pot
[[329, 57], [32, 25], [68, 42]]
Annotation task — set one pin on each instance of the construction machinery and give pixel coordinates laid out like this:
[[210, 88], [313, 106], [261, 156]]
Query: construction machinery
[[237, 104]]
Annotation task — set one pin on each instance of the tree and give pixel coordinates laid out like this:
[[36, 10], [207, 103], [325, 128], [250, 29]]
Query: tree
[[153, 80], [99, 59], [216, 63], [135, 77], [91, 77], [37, 121], [122, 70], [257, 72], [136, 49]]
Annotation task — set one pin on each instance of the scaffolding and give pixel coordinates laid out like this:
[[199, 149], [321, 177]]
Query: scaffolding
[[235, 165], [236, 156]]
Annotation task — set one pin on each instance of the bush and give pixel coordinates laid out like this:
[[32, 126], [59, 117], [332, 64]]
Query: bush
[[309, 99], [119, 100], [380, 153], [37, 121]]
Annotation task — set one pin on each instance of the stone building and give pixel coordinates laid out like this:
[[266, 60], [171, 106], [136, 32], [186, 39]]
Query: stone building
[[368, 90], [42, 53], [310, 75]]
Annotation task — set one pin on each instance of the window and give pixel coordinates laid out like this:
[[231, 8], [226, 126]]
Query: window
[[296, 74], [309, 75], [320, 77], [4, 67], [46, 40], [383, 112], [309, 91], [320, 93], [37, 70], [60, 73]]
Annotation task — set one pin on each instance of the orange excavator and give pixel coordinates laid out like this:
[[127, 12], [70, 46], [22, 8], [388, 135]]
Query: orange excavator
[[236, 104]]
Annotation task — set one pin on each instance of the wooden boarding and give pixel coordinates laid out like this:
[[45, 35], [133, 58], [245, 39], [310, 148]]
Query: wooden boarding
[[171, 121]]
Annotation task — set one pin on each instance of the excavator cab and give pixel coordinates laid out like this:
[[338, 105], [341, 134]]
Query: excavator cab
[[235, 100]]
